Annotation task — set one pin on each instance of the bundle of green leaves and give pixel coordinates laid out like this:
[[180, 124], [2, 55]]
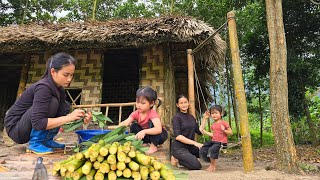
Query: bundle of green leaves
[[97, 117]]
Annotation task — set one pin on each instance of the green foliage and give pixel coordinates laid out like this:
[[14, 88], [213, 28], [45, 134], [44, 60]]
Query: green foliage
[[267, 136], [308, 167], [300, 128], [100, 118], [97, 118]]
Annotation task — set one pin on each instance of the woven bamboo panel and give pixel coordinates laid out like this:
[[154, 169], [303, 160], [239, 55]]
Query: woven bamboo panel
[[87, 75], [152, 73], [37, 67]]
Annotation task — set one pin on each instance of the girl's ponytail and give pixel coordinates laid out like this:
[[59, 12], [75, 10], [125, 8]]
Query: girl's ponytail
[[159, 102]]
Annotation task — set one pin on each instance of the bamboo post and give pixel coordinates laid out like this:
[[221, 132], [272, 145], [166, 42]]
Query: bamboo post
[[120, 114], [240, 94], [192, 109]]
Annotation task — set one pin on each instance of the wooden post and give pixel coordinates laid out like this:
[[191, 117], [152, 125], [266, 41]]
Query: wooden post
[[192, 109], [240, 94]]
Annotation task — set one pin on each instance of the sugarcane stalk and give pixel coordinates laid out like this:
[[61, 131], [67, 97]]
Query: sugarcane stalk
[[96, 165], [133, 166], [55, 173], [91, 174], [151, 168], [126, 173], [113, 149], [111, 159], [80, 156], [100, 158], [75, 164], [92, 159], [77, 174], [144, 171], [63, 173], [103, 151], [126, 147], [154, 175], [119, 173], [104, 167], [164, 173], [63, 170], [57, 165], [121, 165], [99, 175], [156, 165], [68, 174], [132, 153], [113, 167], [136, 175], [127, 160], [121, 156], [112, 175], [142, 159], [101, 142], [86, 168]]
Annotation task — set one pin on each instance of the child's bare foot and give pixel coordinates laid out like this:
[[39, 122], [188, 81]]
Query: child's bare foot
[[174, 161], [211, 168], [152, 149]]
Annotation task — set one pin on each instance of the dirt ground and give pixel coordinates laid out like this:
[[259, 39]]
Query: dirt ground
[[20, 165]]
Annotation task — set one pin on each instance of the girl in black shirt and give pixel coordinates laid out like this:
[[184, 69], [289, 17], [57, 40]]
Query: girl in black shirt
[[38, 113], [185, 150]]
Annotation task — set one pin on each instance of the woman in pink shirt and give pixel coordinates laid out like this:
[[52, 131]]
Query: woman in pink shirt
[[219, 131], [145, 121]]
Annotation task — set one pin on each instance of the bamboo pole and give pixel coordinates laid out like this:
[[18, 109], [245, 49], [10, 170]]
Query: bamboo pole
[[192, 109], [260, 113], [94, 10], [240, 94], [105, 105]]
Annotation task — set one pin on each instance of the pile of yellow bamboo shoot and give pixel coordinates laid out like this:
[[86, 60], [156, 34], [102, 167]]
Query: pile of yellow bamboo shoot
[[112, 161]]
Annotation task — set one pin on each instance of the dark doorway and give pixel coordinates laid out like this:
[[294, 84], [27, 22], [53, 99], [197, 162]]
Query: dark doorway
[[10, 71], [73, 96], [120, 80]]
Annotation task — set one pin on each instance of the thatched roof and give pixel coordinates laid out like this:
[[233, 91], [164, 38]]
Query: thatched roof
[[110, 34], [125, 33]]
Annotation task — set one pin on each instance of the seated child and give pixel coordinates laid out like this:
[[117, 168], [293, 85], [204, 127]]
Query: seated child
[[145, 121]]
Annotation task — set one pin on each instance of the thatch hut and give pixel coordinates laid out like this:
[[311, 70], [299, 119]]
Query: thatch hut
[[115, 58]]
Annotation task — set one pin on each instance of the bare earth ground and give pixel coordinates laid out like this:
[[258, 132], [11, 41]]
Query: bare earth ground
[[20, 165]]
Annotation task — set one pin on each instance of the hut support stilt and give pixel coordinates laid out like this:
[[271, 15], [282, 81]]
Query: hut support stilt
[[192, 108]]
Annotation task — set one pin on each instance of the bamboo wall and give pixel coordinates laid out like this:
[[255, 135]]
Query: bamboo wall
[[87, 75], [152, 73], [157, 71]]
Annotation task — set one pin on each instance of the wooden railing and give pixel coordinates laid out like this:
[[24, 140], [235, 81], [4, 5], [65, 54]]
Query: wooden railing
[[107, 106]]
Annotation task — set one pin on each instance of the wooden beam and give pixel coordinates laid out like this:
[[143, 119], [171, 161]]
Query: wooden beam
[[105, 105], [192, 109]]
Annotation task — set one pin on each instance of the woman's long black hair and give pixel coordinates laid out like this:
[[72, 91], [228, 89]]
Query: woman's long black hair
[[57, 62]]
